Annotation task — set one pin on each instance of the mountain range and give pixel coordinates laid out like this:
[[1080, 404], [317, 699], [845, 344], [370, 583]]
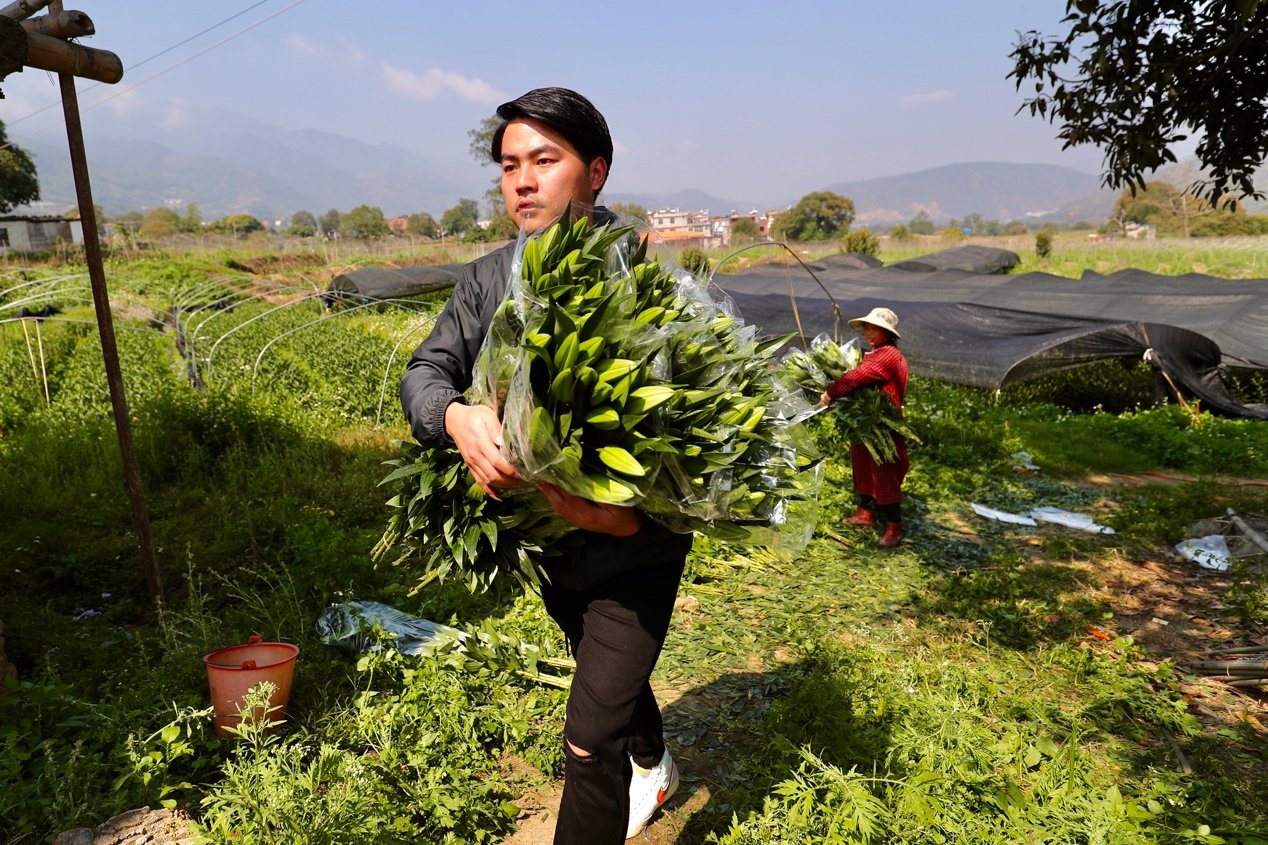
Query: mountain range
[[228, 163]]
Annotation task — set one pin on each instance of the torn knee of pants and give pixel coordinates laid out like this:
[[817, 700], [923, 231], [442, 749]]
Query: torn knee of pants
[[583, 757]]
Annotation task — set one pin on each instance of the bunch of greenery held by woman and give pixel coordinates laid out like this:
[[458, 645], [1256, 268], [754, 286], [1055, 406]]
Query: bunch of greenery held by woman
[[621, 380], [868, 417]]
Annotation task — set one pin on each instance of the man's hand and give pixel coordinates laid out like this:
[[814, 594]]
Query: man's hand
[[477, 433], [593, 516]]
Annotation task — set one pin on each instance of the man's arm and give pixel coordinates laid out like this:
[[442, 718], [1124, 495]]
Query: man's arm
[[441, 369]]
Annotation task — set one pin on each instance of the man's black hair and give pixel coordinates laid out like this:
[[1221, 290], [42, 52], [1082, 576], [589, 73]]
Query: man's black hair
[[566, 112]]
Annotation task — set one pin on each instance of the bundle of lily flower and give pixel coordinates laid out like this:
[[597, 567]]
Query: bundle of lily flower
[[443, 524], [623, 381], [865, 416]]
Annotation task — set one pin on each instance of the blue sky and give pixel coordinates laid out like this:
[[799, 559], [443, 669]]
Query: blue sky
[[737, 98]]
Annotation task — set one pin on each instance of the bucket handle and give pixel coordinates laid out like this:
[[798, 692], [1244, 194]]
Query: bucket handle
[[252, 640]]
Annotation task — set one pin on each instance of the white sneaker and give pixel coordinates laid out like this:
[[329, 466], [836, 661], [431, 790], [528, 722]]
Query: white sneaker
[[648, 791]]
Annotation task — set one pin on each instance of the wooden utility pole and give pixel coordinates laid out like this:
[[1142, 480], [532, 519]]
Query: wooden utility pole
[[37, 43]]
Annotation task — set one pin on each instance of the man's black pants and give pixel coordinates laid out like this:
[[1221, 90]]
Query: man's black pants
[[616, 631]]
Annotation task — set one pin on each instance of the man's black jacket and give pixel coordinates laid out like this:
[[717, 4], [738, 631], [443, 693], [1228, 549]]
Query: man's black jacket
[[441, 370]]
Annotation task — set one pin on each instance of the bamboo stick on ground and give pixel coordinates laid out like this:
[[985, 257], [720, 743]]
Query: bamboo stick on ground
[[1251, 534], [1244, 649], [1240, 665]]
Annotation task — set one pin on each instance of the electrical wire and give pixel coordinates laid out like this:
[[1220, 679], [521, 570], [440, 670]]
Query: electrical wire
[[170, 68], [151, 58]]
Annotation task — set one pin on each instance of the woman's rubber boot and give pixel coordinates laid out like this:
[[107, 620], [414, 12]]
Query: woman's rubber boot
[[862, 518], [893, 534]]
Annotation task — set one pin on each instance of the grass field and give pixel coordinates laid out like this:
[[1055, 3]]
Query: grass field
[[982, 683]]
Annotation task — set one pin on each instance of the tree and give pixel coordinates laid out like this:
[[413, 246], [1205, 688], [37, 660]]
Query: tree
[[238, 225], [920, 224], [363, 222], [422, 224], [860, 242], [482, 138], [1133, 77], [461, 217], [129, 222], [744, 229], [818, 216], [18, 183], [160, 223], [1043, 243], [303, 223], [1170, 210], [976, 224], [631, 209], [694, 261], [501, 226], [328, 223], [191, 222]]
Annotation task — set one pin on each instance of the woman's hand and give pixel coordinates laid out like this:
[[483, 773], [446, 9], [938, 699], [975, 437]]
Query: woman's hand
[[477, 432], [825, 399], [592, 516]]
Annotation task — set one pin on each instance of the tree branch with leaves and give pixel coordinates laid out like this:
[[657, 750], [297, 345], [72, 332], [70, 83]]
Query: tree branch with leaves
[[1135, 77]]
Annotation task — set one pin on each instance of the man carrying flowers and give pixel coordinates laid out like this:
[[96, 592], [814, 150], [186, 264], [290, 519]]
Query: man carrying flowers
[[612, 593]]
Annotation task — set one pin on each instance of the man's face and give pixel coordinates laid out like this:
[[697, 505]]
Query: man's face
[[542, 173]]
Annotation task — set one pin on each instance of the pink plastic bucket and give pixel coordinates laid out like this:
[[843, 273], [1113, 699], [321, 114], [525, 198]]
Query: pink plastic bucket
[[232, 671]]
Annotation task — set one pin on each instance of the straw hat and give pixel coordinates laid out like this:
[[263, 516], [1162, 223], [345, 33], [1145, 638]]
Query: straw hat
[[882, 317]]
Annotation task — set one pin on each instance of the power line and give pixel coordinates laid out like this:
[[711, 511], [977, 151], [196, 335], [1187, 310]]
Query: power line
[[184, 61]]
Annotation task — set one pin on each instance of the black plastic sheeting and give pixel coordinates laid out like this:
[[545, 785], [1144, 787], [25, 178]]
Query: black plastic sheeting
[[393, 282], [963, 322]]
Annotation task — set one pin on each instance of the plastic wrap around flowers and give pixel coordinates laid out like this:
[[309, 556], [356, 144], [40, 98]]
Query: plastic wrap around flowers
[[623, 380]]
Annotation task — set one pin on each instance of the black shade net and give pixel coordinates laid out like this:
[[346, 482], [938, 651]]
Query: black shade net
[[963, 322]]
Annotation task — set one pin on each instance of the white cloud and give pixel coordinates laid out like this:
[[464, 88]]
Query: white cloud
[[929, 97], [301, 46], [346, 55], [435, 82]]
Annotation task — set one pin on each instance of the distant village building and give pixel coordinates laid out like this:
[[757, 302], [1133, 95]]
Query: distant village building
[[399, 225], [726, 223], [680, 230], [701, 230], [20, 233]]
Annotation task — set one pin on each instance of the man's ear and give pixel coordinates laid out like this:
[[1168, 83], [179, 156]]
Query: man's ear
[[598, 173]]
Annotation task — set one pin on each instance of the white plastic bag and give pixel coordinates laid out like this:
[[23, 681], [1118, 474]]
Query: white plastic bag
[[1209, 552]]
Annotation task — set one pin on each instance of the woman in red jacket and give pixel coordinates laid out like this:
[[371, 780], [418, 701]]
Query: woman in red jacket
[[879, 485]]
